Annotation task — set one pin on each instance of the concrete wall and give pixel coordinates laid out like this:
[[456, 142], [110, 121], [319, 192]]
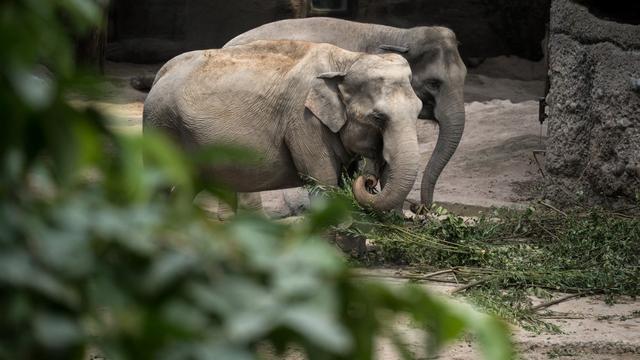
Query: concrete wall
[[162, 19], [593, 146], [485, 28], [211, 24], [150, 31]]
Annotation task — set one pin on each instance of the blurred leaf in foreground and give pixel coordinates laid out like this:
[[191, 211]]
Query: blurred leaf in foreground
[[95, 255]]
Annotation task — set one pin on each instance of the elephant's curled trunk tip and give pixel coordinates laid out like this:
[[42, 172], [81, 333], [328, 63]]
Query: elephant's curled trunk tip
[[360, 192]]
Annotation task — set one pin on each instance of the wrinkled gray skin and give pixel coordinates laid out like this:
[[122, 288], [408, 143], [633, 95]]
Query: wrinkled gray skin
[[432, 52], [308, 109]]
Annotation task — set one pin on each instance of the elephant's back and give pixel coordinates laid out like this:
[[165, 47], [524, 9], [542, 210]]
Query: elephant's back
[[241, 77], [190, 80], [245, 87], [234, 67], [176, 62], [346, 34], [262, 58], [171, 77]]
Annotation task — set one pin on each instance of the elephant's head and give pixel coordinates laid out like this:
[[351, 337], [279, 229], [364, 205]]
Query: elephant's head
[[438, 80], [373, 108]]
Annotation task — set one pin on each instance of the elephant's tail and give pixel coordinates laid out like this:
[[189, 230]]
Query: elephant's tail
[[142, 82], [146, 81]]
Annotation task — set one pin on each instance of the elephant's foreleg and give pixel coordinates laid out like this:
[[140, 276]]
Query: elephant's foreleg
[[250, 202], [226, 211], [215, 208]]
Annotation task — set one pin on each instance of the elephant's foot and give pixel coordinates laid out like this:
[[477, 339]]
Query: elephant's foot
[[418, 208], [250, 202], [214, 208]]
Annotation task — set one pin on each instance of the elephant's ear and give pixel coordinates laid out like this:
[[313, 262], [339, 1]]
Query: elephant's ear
[[324, 100], [394, 48]]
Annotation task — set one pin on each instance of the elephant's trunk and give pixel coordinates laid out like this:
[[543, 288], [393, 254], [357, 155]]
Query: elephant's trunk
[[451, 125], [401, 154]]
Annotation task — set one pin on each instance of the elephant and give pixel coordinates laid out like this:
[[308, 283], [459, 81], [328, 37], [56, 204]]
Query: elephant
[[307, 108], [432, 52]]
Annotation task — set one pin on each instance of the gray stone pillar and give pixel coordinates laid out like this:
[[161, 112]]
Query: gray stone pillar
[[593, 146]]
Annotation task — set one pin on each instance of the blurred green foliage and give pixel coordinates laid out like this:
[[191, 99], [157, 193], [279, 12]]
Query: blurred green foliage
[[93, 259]]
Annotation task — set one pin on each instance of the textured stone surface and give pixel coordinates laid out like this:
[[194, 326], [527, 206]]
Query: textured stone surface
[[571, 18], [593, 147]]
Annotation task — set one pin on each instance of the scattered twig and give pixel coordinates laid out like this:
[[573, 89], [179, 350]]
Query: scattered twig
[[556, 301], [625, 216], [406, 277], [535, 157], [469, 285], [456, 278], [430, 275], [444, 281], [562, 316], [547, 230], [553, 208], [390, 276], [427, 277], [628, 208], [584, 171]]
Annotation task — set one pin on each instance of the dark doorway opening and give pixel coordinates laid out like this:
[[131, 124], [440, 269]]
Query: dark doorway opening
[[620, 11]]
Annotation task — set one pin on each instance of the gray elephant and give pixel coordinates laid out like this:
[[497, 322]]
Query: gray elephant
[[432, 52], [307, 108]]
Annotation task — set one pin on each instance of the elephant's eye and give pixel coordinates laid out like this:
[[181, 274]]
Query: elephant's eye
[[379, 119], [433, 84]]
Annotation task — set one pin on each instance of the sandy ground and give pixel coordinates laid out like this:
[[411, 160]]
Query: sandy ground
[[495, 157], [591, 329], [494, 166]]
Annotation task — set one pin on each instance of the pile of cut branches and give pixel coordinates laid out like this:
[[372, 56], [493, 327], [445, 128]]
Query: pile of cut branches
[[502, 258]]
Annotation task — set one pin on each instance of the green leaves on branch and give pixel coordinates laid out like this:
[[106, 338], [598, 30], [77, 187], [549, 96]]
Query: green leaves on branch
[[134, 281], [513, 254]]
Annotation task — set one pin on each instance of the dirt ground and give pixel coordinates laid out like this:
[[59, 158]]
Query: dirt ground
[[494, 166], [592, 330]]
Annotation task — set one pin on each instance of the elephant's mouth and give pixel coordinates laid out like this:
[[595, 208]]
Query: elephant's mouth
[[428, 108], [370, 183]]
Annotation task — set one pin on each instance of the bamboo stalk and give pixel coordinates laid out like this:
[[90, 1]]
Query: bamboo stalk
[[553, 208], [469, 285], [436, 273], [556, 301], [427, 277]]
